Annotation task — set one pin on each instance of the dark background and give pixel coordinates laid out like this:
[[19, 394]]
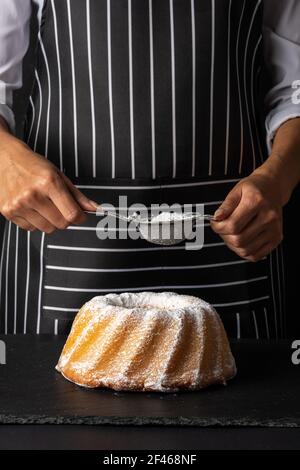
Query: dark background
[[291, 224]]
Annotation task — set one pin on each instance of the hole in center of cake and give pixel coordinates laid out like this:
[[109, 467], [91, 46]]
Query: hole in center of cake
[[150, 301]]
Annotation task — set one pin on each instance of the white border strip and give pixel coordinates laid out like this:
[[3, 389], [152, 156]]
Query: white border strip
[[162, 186], [152, 268], [124, 250], [196, 286]]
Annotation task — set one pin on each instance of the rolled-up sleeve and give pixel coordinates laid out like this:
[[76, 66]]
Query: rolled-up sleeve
[[14, 41], [281, 38]]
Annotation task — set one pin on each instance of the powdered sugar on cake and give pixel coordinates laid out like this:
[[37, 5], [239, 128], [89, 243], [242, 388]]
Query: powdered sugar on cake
[[147, 341]]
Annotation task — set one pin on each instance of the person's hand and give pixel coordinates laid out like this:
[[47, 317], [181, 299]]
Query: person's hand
[[34, 194], [250, 218]]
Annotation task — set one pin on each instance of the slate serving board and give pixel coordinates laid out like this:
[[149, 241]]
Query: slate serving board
[[266, 391]]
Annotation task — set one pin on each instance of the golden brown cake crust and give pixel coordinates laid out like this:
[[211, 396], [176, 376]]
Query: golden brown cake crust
[[147, 342]]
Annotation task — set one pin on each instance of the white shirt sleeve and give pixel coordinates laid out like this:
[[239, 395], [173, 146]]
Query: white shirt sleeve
[[14, 41], [281, 38]]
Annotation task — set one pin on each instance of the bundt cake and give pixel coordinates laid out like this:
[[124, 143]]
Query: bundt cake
[[147, 341]]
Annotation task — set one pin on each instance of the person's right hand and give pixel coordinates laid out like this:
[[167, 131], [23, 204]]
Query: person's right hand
[[34, 194]]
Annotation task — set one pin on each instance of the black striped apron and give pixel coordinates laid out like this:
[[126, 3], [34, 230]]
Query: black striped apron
[[155, 100]]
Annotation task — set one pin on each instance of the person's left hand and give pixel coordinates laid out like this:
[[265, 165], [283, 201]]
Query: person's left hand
[[250, 218]]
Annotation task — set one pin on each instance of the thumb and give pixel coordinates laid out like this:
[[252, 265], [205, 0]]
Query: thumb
[[82, 200], [229, 204]]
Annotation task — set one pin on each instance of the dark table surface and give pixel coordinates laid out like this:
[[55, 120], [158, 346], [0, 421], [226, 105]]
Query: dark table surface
[[262, 400]]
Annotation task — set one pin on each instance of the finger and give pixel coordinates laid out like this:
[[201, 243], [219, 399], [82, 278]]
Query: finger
[[265, 239], [245, 238], [251, 248], [254, 228], [229, 204], [37, 220], [257, 225], [65, 202], [23, 223], [263, 220], [244, 213], [82, 200], [264, 251], [50, 212]]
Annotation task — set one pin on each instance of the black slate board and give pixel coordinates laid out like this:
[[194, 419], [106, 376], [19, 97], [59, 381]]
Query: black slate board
[[265, 392]]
